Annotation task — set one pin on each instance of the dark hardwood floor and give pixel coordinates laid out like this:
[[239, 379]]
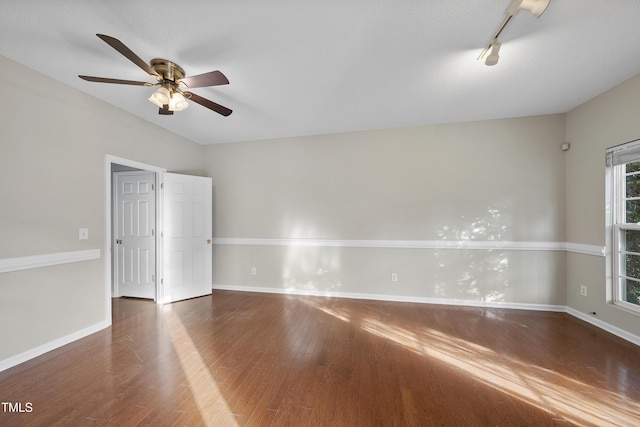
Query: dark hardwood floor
[[244, 359]]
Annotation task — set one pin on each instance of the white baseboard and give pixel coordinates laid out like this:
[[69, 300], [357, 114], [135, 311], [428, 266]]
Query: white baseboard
[[605, 326], [52, 345], [394, 298]]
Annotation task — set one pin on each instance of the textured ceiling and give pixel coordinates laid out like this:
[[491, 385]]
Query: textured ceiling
[[305, 67]]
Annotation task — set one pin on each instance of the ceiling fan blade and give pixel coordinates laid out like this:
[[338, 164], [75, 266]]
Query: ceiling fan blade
[[116, 81], [212, 78], [208, 104], [128, 53]]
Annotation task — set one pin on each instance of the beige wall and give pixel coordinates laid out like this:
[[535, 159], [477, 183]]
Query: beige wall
[[607, 120], [500, 180], [53, 142]]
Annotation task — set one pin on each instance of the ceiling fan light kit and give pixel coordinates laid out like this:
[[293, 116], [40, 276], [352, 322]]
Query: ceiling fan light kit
[[160, 97], [178, 102], [168, 93], [535, 7], [170, 79]]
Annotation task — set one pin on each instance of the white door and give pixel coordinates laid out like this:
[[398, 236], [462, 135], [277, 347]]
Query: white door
[[134, 234], [186, 238]]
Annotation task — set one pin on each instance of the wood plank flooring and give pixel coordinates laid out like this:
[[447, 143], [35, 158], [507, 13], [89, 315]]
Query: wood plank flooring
[[245, 359]]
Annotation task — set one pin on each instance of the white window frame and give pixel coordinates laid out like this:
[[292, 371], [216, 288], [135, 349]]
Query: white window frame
[[617, 159], [619, 266]]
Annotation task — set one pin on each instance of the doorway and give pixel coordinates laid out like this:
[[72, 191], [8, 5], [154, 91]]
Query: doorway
[[134, 233], [180, 244], [131, 253]]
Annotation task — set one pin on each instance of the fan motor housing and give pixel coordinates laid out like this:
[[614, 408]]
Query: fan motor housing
[[167, 69]]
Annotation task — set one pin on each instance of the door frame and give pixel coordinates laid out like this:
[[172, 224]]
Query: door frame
[[108, 215]]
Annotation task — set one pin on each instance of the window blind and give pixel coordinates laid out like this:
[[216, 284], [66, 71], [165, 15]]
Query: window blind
[[623, 153]]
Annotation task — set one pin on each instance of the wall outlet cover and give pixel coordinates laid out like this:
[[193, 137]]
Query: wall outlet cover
[[83, 234]]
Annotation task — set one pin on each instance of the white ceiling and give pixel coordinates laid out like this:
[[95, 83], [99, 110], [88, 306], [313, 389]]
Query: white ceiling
[[305, 67]]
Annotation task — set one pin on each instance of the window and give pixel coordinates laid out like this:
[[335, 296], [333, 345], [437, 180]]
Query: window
[[623, 174]]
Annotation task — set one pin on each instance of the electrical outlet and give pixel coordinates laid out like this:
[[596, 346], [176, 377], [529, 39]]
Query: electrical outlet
[[583, 290], [394, 277], [83, 234], [254, 271]]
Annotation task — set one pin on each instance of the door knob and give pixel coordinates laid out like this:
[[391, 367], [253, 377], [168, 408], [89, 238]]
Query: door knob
[[118, 241], [208, 241]]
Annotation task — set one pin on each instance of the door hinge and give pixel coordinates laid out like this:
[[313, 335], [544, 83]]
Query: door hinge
[[153, 233], [162, 186], [153, 278], [153, 187]]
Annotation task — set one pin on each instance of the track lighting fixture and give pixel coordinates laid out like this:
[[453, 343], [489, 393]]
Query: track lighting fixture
[[535, 7], [493, 57]]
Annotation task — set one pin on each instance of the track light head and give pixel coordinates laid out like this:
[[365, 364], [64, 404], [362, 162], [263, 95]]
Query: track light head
[[535, 7], [494, 56]]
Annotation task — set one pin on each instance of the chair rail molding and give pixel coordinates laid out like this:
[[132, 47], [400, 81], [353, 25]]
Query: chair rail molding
[[417, 244], [46, 260]]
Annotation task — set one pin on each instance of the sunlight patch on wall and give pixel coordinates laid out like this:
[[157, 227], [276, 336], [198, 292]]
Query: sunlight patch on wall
[[481, 275], [309, 268]]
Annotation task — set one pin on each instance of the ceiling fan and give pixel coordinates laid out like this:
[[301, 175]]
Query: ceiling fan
[[170, 80]]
